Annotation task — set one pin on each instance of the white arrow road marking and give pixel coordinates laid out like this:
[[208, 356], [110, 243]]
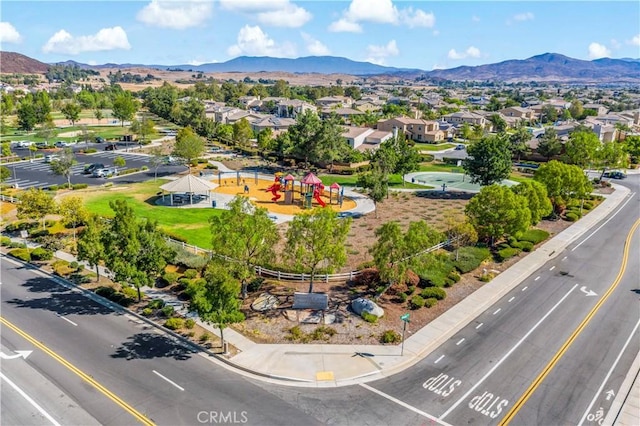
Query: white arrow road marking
[[588, 292], [29, 399], [609, 394], [23, 354]]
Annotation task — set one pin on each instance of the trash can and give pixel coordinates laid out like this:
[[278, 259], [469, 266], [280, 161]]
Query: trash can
[[213, 203]]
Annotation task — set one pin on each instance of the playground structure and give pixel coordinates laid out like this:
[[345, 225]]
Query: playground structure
[[275, 188]]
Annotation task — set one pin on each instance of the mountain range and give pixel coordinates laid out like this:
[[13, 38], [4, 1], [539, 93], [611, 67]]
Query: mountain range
[[551, 67]]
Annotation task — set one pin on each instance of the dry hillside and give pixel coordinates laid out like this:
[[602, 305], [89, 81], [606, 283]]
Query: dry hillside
[[16, 63]]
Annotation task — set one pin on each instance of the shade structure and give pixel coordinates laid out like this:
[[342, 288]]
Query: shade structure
[[188, 184], [334, 185], [311, 179], [289, 177]]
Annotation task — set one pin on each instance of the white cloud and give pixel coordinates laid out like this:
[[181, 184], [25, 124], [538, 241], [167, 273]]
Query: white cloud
[[105, 39], [418, 18], [597, 50], [380, 12], [378, 54], [471, 52], [475, 18], [253, 5], [92, 63], [635, 40], [521, 17], [315, 47], [344, 26], [196, 62], [177, 15], [291, 16], [9, 34], [253, 41]]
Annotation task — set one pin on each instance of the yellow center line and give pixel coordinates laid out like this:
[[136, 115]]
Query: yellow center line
[[128, 408], [547, 369]]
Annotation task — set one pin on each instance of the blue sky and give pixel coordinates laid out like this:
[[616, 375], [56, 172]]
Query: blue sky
[[409, 34]]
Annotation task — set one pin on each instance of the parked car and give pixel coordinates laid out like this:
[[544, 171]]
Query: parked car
[[111, 147], [42, 145], [24, 144], [460, 147], [89, 168], [615, 175], [61, 144], [100, 139], [105, 172], [51, 158]]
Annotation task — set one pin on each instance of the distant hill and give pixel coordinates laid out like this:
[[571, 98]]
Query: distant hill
[[547, 67], [12, 62]]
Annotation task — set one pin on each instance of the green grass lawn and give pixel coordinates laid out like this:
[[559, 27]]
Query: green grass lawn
[[107, 132], [395, 181], [440, 167], [191, 224], [433, 147]]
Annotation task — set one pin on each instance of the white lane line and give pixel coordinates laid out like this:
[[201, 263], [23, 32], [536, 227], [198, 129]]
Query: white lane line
[[537, 278], [460, 341], [405, 405], [607, 221], [511, 300], [552, 268], [439, 359], [67, 320], [524, 288], [564, 258], [479, 325], [29, 400], [168, 380], [497, 310], [613, 366], [499, 363]]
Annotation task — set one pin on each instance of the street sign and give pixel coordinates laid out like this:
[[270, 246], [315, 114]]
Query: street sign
[[405, 317]]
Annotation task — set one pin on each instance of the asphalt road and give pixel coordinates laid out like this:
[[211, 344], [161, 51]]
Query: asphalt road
[[37, 173]]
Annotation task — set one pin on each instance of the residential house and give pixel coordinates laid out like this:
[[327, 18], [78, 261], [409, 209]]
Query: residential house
[[606, 132], [220, 114], [276, 124], [334, 102], [345, 114], [291, 108], [598, 108], [366, 106], [416, 129], [461, 117], [524, 114], [364, 138], [249, 102]]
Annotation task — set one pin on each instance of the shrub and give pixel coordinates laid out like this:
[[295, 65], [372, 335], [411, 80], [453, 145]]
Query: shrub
[[433, 292], [571, 216], [167, 311], [322, 333], [470, 258], [485, 278], [170, 277], [51, 242], [430, 302], [416, 302], [156, 304], [205, 337], [76, 186], [131, 292], [403, 297], [255, 284], [453, 277], [5, 241], [295, 333], [16, 244], [21, 253], [174, 323], [190, 273], [526, 246], [188, 259], [105, 291], [534, 236], [190, 323], [39, 253], [35, 233], [113, 295], [75, 265], [147, 312], [412, 279], [410, 290], [369, 317], [506, 253], [587, 205], [368, 277], [390, 336]]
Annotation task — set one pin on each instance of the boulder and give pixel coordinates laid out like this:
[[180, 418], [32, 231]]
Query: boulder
[[361, 305]]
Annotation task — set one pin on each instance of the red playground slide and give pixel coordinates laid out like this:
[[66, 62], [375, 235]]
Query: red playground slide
[[316, 195], [274, 190]]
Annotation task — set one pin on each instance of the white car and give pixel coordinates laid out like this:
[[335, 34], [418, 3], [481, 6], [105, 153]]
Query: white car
[[24, 144], [62, 144], [51, 158]]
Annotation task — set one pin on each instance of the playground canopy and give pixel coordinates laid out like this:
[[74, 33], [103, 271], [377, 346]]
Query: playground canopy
[[188, 184], [311, 179], [289, 177]]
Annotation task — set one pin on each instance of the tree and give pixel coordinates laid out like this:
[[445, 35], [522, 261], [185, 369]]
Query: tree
[[465, 131], [549, 114], [460, 232], [189, 146], [518, 140], [317, 237], [27, 118], [376, 184], [242, 132], [245, 235], [42, 105], [5, 173], [119, 161], [332, 144], [156, 159], [497, 211], [71, 112], [266, 142], [611, 155], [489, 160], [98, 115], [73, 213], [499, 123], [549, 145], [304, 135], [407, 157], [582, 147], [564, 182], [215, 298], [136, 252], [90, 247], [537, 199], [142, 128], [63, 165], [6, 149], [632, 147], [46, 130], [576, 109], [124, 107], [35, 204]]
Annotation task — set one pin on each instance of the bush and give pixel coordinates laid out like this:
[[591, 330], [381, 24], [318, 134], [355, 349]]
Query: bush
[[147, 312], [534, 236], [571, 216], [5, 241], [587, 205], [75, 265], [51, 242], [369, 317], [167, 311], [76, 186], [188, 259], [255, 284], [369, 277], [416, 302], [156, 304], [35, 233], [131, 292], [190, 273], [453, 277], [174, 323], [433, 292], [205, 337], [412, 279], [470, 258], [526, 246], [403, 297], [430, 302], [190, 323], [170, 277], [16, 244], [434, 272], [410, 290], [322, 333], [21, 253], [39, 253], [506, 253], [390, 336], [295, 333]]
